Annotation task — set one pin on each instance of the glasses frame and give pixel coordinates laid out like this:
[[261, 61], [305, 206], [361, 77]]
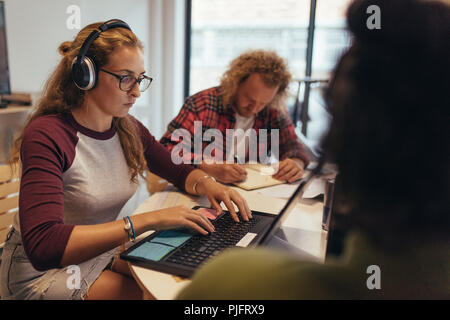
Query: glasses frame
[[136, 80]]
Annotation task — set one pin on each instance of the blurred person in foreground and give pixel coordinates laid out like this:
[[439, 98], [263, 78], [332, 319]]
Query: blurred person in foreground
[[390, 104]]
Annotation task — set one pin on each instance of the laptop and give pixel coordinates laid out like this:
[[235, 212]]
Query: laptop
[[181, 251]]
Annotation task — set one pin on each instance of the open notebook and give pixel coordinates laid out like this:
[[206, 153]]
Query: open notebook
[[259, 176]]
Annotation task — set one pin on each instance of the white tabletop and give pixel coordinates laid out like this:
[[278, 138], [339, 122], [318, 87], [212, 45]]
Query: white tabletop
[[301, 233]]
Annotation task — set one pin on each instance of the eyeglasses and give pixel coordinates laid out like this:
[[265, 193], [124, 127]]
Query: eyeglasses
[[127, 83]]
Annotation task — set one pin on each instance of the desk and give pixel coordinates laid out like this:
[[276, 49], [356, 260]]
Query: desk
[[15, 109], [301, 234]]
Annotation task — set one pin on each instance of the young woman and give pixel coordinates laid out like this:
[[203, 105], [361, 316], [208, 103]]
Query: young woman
[[81, 153]]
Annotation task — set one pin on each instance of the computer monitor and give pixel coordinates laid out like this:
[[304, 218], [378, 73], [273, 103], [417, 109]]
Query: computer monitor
[[4, 66]]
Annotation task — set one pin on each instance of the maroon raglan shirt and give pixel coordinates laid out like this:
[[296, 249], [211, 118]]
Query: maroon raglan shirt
[[71, 176]]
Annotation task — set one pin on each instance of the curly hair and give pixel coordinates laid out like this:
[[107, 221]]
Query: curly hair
[[272, 68], [61, 95], [390, 106]]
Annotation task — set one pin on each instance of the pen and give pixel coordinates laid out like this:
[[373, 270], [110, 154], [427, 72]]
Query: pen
[[327, 204]]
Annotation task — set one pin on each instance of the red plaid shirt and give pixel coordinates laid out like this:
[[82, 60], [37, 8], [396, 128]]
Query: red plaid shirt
[[207, 107]]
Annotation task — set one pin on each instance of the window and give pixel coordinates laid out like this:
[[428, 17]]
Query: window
[[330, 36], [222, 29]]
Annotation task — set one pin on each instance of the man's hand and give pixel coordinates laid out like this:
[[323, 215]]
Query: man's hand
[[290, 170], [218, 193], [225, 173]]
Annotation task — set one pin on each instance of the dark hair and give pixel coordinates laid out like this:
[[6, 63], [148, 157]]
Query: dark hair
[[389, 98]]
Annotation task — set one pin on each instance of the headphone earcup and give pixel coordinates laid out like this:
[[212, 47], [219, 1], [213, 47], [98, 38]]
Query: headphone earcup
[[84, 73]]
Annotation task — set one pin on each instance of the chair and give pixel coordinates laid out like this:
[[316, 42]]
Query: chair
[[9, 200], [9, 196]]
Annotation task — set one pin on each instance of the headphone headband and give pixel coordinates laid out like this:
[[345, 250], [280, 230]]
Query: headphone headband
[[110, 24], [84, 70]]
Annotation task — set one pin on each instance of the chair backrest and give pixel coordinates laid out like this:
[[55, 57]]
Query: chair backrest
[[9, 199]]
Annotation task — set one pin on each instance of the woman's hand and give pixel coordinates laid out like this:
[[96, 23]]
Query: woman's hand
[[88, 241], [217, 193], [178, 217]]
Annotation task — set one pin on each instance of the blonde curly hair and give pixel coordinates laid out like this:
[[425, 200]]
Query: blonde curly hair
[[272, 68]]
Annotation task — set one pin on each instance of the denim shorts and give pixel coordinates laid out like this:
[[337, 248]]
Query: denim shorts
[[19, 280]]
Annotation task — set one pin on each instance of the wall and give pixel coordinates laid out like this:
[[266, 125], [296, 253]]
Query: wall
[[35, 29]]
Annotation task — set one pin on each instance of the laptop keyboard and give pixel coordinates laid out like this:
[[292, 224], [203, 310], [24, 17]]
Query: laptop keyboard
[[199, 248]]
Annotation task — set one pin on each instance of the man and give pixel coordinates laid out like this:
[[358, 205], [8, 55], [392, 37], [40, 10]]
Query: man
[[250, 96]]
